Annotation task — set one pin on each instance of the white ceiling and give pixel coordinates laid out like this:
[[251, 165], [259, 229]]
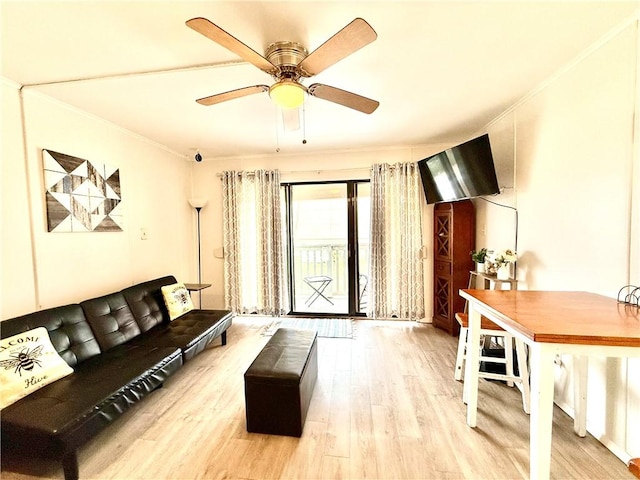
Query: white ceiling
[[441, 70]]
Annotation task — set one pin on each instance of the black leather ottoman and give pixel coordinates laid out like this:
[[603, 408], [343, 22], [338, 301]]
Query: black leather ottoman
[[279, 383]]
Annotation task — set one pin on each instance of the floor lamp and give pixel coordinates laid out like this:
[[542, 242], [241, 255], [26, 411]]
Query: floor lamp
[[199, 204]]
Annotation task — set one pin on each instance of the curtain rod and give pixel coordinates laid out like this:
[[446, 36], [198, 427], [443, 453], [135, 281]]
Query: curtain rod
[[318, 172]]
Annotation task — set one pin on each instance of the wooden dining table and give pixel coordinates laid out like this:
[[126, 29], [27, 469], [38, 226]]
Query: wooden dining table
[[551, 323]]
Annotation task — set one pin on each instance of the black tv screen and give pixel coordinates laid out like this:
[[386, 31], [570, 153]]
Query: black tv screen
[[465, 171]]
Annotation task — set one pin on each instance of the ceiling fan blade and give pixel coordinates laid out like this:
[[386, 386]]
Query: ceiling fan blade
[[232, 94], [347, 99], [221, 37], [348, 40]]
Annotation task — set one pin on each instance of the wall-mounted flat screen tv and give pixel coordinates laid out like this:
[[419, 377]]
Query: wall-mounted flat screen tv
[[465, 171]]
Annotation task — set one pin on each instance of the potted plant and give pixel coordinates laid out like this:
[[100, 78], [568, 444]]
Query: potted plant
[[504, 260], [479, 257]]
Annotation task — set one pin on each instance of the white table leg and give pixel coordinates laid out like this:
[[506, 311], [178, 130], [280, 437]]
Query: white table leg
[[542, 385], [580, 368], [472, 365]]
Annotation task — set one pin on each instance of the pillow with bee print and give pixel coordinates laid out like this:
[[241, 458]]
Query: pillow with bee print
[[28, 362], [177, 299]]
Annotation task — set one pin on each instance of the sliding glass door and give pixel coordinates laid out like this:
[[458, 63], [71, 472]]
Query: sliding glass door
[[328, 243]]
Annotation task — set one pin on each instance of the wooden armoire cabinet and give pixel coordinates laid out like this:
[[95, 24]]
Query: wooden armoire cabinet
[[454, 230]]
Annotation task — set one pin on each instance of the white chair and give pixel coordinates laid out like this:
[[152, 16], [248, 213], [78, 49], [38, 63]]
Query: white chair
[[489, 330]]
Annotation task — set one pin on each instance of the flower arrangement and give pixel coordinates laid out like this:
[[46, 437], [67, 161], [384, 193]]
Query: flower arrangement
[[506, 257]]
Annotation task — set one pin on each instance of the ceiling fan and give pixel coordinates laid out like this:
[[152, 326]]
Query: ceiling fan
[[288, 62]]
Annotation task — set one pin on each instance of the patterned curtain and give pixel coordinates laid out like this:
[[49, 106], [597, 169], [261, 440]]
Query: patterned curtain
[[255, 279], [397, 280]]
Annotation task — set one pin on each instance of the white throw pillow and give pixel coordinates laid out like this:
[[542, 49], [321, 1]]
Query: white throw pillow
[[177, 299], [28, 362]]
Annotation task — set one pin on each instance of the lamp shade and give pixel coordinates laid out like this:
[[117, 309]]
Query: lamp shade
[[198, 202], [287, 93]]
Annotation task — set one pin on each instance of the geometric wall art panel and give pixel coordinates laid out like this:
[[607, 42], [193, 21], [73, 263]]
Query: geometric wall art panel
[[81, 196]]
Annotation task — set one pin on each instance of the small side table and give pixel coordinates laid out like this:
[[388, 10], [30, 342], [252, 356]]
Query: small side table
[[197, 287], [487, 281], [318, 284]]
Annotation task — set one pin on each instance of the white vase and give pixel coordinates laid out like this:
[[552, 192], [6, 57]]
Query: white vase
[[480, 267], [504, 272]]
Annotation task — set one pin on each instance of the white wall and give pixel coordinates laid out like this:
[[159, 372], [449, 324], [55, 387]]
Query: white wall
[[42, 269], [576, 173], [17, 289]]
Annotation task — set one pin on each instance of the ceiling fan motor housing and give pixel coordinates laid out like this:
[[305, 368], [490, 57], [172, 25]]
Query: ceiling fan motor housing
[[286, 56]]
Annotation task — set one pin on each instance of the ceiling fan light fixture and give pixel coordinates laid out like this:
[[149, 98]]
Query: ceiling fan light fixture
[[287, 93]]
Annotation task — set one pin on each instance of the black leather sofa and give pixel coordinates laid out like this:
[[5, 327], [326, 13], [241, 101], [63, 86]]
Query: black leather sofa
[[121, 347]]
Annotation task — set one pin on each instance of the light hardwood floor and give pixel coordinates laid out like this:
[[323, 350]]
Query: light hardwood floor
[[385, 406]]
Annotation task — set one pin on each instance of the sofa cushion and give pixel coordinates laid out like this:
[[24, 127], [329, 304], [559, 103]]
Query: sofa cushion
[[28, 362], [146, 302], [110, 319], [177, 300], [191, 332], [68, 330]]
